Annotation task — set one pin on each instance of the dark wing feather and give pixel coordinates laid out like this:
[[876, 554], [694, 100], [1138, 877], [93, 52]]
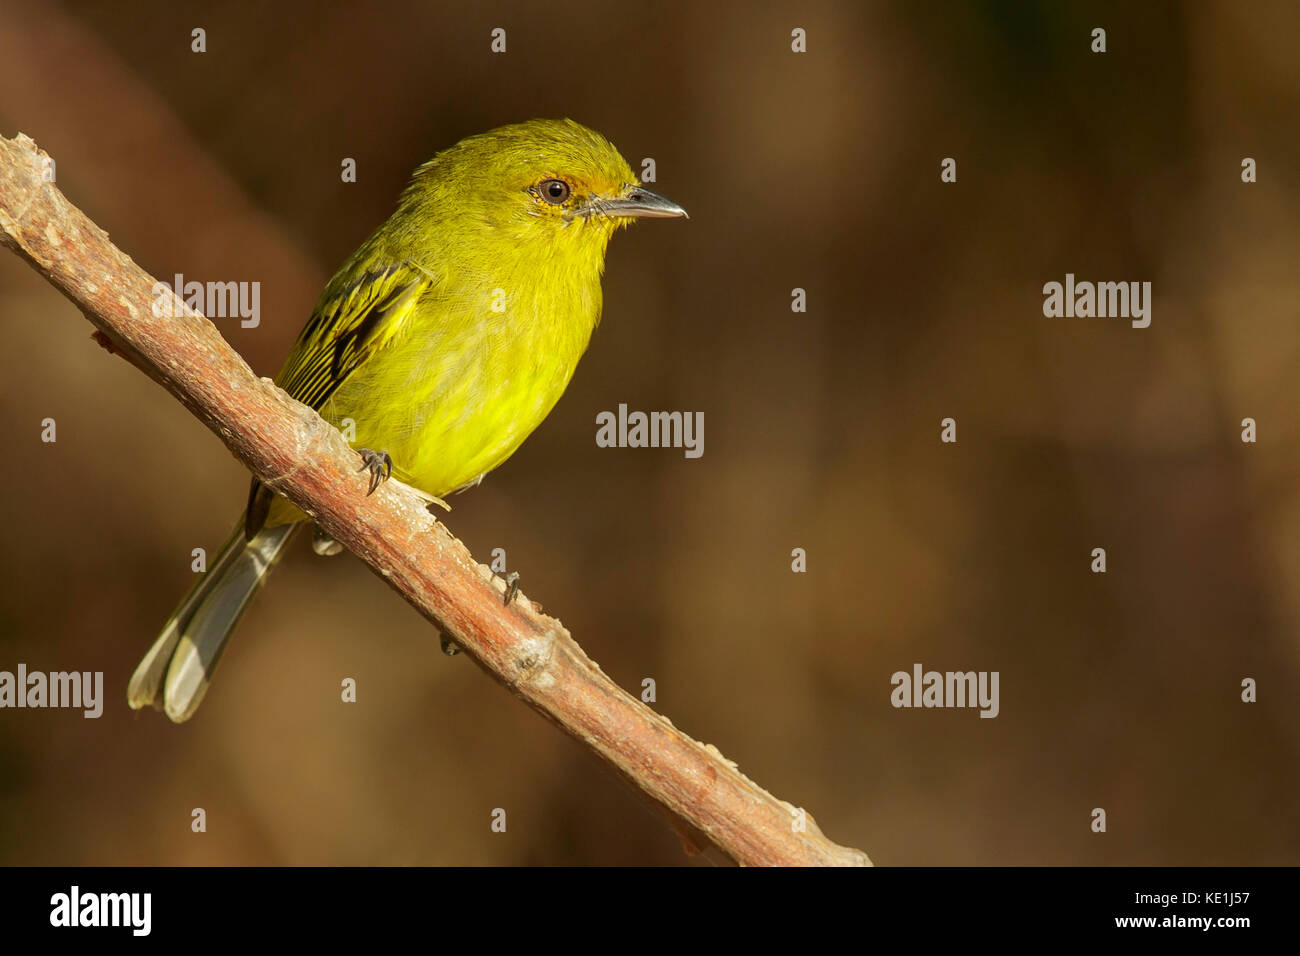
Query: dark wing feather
[[350, 323]]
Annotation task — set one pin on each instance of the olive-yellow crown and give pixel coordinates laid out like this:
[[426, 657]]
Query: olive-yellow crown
[[527, 175]]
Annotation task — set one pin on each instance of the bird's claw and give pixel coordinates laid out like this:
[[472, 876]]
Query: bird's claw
[[511, 578], [379, 464]]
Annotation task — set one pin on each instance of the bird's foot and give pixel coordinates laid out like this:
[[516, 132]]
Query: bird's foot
[[378, 463], [511, 578], [323, 544]]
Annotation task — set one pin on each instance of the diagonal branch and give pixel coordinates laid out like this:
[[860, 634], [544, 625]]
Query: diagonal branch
[[296, 453]]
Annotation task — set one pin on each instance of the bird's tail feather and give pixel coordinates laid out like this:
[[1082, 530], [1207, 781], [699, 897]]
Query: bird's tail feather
[[175, 673]]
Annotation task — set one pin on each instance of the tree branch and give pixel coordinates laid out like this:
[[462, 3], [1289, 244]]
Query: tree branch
[[296, 453]]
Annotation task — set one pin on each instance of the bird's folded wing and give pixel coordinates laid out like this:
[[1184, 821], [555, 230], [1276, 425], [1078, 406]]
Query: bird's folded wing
[[357, 316], [354, 319]]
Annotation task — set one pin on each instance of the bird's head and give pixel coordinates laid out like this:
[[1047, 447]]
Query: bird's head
[[546, 181]]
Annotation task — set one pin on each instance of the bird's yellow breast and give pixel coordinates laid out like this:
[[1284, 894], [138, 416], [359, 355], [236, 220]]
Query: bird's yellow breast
[[469, 378]]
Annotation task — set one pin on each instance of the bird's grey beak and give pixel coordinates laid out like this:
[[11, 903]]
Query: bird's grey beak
[[637, 202]]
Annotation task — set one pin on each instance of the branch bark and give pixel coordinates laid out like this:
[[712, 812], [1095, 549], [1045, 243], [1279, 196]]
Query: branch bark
[[296, 453]]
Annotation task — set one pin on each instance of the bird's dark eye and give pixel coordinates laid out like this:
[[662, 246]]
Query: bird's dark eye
[[554, 191]]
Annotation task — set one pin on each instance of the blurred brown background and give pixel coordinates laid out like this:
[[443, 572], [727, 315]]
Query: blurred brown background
[[820, 171]]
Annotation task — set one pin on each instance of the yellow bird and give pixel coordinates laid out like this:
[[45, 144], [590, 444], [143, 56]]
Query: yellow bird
[[447, 337]]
